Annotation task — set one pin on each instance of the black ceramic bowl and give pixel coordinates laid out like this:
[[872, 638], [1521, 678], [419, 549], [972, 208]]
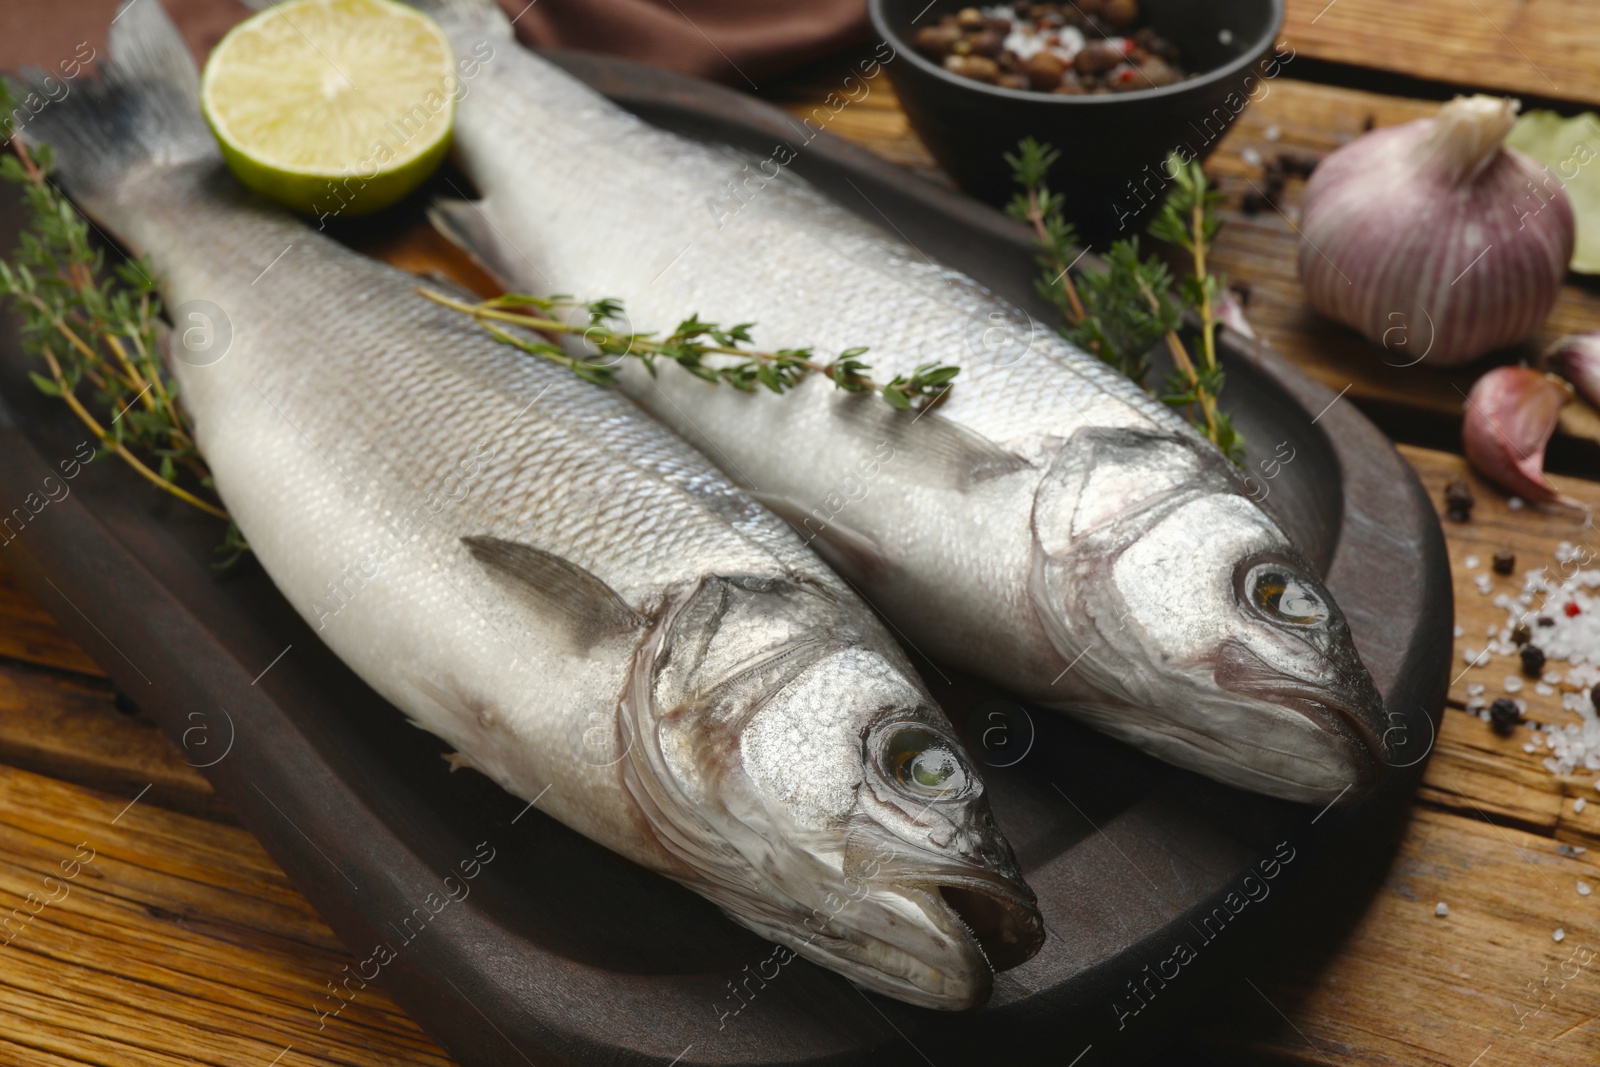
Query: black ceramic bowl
[[1113, 146]]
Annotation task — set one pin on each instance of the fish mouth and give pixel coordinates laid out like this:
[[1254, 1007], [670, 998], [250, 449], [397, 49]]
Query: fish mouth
[[1005, 925], [935, 941], [1349, 713], [979, 926]]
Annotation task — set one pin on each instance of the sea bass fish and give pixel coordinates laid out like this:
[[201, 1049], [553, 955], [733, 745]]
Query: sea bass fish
[[1049, 526], [567, 593]]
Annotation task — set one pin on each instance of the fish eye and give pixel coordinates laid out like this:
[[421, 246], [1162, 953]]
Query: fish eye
[[923, 764], [1283, 596]]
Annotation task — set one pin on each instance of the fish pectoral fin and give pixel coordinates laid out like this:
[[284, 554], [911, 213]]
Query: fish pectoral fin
[[465, 224], [458, 760], [926, 450], [588, 607], [845, 549]]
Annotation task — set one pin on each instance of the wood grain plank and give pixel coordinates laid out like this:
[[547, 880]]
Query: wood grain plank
[[1537, 47], [166, 939], [29, 634], [71, 727], [1407, 988]]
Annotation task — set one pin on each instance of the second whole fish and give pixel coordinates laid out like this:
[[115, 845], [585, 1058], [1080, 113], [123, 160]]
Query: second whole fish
[[1049, 525]]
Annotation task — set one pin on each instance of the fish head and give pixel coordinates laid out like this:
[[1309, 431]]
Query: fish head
[[849, 824], [1205, 637]]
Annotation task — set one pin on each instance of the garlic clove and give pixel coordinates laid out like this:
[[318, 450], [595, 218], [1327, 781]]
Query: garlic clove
[[1511, 413], [1433, 239], [1230, 312], [1576, 357]]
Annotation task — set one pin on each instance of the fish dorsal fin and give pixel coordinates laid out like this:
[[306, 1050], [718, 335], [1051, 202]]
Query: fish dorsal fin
[[588, 607], [466, 224]]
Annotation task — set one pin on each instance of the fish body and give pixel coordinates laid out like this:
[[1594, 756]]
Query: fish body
[[586, 609], [1048, 525]]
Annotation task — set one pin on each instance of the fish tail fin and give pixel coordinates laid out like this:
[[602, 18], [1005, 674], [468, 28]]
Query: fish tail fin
[[142, 109], [480, 17]]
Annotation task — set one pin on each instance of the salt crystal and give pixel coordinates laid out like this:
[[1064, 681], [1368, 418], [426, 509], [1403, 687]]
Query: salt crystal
[[1583, 889], [1473, 657], [1476, 704], [1460, 632], [1484, 585], [1559, 935], [1272, 133], [1441, 909], [1224, 36], [1515, 503], [1551, 678], [1471, 563], [1475, 689], [1251, 157], [1578, 806], [1527, 748], [1513, 683], [1544, 690]]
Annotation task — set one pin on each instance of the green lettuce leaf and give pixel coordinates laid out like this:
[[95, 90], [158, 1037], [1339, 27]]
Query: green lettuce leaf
[[1570, 148]]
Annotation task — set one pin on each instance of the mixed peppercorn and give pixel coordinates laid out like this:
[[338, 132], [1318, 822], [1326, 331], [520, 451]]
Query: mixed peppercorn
[[1087, 47]]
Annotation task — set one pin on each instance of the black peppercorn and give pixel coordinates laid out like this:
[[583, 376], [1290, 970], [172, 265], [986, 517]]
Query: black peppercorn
[[1521, 634], [1532, 660], [1458, 500], [1505, 561], [1504, 717]]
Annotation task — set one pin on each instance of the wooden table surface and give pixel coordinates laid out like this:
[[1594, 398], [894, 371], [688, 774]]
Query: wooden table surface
[[165, 935]]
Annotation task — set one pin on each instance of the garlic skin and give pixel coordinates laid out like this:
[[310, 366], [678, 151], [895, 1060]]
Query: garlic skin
[[1511, 413], [1576, 357], [1419, 236]]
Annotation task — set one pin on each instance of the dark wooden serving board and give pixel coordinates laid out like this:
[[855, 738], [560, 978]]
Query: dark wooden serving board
[[563, 952]]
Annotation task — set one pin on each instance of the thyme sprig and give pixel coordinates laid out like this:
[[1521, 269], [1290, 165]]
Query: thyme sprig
[[1120, 314], [99, 334], [689, 345]]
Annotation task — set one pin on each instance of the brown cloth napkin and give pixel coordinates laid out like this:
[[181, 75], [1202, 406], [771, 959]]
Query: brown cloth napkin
[[741, 42]]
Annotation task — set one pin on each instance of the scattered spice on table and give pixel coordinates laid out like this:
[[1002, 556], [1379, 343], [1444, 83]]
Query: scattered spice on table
[[1091, 47], [1504, 715], [1505, 561], [1458, 500], [1561, 604]]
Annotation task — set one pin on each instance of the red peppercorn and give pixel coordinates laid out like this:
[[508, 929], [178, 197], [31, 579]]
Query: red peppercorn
[[1572, 609]]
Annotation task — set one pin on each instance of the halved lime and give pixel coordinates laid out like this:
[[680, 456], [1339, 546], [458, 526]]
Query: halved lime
[[335, 107]]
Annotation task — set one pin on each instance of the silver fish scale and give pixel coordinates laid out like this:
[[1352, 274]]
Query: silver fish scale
[[580, 468], [805, 270]]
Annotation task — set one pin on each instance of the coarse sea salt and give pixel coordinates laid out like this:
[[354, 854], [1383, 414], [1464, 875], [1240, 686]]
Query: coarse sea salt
[[1583, 889], [1560, 604], [1441, 909], [1460, 632], [1471, 563], [1559, 935], [1578, 806]]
